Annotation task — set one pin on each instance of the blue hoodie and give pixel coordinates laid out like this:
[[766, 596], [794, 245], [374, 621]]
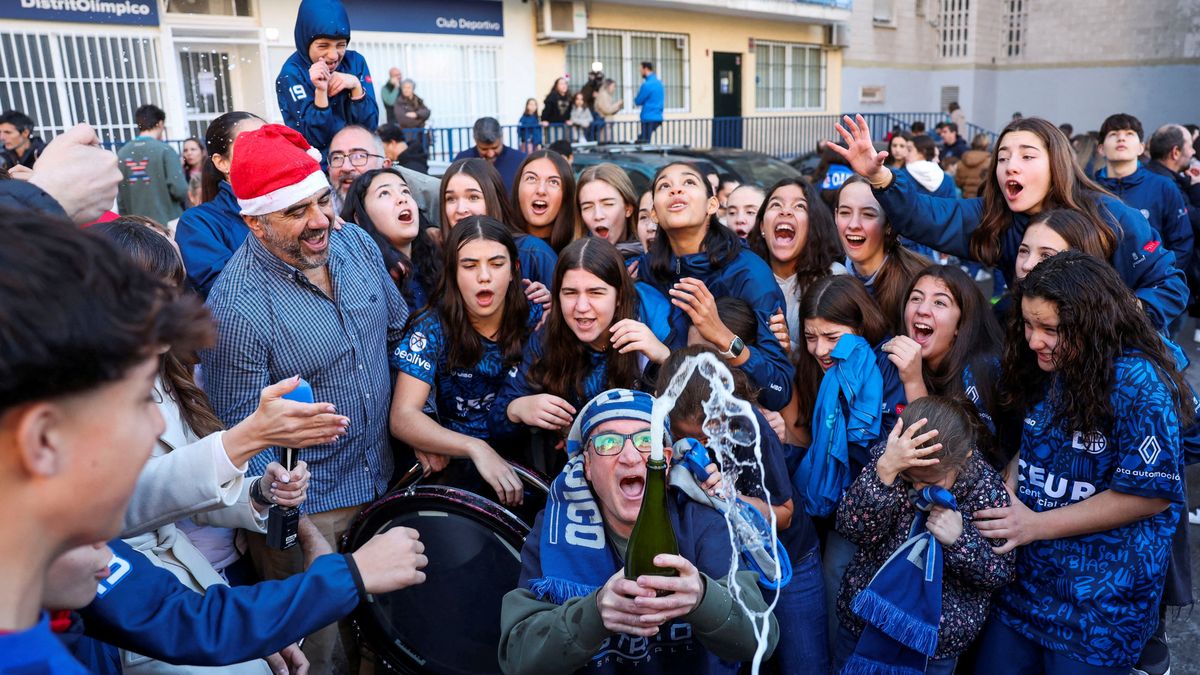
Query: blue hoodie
[[750, 279], [294, 87], [208, 235], [1160, 200], [1146, 266]]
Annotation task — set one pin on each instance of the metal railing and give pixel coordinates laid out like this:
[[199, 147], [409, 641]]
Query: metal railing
[[784, 136]]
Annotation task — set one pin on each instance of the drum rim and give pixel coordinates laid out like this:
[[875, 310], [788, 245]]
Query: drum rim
[[512, 530]]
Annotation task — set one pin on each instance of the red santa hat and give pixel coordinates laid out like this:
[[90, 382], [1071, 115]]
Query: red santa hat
[[273, 168]]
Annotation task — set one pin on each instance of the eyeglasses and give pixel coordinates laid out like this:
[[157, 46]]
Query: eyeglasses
[[357, 158], [611, 442]]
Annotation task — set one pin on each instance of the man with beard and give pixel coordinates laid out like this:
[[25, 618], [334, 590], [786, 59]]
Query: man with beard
[[356, 150], [304, 298]]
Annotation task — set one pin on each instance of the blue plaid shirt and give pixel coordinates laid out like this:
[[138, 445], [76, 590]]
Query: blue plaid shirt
[[274, 323]]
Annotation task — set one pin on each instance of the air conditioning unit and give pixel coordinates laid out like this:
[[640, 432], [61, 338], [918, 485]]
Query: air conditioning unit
[[561, 20], [839, 35]]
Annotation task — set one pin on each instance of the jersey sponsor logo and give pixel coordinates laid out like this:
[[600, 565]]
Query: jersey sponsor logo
[[1150, 449], [899, 408], [417, 342], [973, 394], [1151, 246], [1055, 487], [463, 374], [775, 387], [512, 372], [1093, 443], [674, 638], [118, 569], [415, 359]]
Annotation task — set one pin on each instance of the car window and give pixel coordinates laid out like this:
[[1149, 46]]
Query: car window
[[763, 170]]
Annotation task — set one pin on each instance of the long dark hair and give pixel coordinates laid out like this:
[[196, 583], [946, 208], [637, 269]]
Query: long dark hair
[[465, 347], [843, 300], [495, 198], [203, 154], [565, 229], [900, 265], [564, 365], [218, 140], [1070, 188], [422, 268], [153, 252], [821, 245], [1099, 320], [720, 243], [977, 345]]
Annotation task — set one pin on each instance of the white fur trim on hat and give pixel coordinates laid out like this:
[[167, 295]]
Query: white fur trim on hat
[[284, 197]]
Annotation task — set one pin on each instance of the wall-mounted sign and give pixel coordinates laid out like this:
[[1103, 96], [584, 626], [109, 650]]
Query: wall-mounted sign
[[452, 17], [130, 12]]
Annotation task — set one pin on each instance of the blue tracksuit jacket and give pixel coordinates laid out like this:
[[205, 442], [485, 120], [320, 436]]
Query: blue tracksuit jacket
[[144, 608], [294, 88], [1160, 200], [208, 235]]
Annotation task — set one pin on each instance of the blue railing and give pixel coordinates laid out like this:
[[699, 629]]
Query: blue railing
[[784, 136]]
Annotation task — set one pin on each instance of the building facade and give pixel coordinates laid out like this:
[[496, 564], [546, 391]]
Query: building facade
[[96, 61], [1073, 61]]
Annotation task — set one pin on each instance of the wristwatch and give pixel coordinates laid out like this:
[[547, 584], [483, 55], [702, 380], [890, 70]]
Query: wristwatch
[[736, 347]]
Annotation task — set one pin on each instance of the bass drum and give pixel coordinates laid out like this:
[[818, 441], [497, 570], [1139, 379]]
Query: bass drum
[[450, 623]]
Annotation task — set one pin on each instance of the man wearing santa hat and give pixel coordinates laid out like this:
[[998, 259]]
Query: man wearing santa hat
[[303, 298]]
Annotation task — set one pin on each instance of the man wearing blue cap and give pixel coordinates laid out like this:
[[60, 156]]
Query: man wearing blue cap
[[574, 610]]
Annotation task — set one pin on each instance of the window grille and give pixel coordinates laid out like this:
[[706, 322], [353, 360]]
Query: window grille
[[622, 53], [459, 82], [953, 34], [789, 76]]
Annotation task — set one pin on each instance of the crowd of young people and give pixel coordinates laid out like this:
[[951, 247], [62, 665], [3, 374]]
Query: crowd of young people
[[1027, 455]]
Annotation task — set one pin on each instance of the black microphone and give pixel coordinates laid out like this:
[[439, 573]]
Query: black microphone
[[283, 522]]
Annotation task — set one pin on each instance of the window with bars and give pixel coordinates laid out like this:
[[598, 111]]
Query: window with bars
[[1015, 14], [458, 82], [788, 76], [953, 19], [622, 53], [61, 79]]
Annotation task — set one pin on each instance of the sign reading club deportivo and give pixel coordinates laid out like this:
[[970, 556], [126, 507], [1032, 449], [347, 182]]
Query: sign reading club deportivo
[[451, 17], [130, 12]]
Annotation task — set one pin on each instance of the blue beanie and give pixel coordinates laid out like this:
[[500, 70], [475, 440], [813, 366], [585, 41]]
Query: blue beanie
[[614, 404]]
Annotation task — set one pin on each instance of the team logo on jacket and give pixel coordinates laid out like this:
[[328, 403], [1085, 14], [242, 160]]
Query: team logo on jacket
[[1093, 443], [1150, 449], [899, 408], [417, 342], [1151, 246], [118, 569]]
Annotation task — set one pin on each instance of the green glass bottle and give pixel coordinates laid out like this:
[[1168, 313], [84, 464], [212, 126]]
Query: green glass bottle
[[652, 533]]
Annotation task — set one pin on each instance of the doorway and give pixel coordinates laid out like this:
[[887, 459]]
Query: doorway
[[727, 100], [207, 86]]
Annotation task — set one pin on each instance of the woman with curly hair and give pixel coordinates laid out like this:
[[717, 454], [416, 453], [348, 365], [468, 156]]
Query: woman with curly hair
[[1097, 478]]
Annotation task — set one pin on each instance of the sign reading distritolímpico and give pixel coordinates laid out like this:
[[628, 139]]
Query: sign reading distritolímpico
[[128, 12]]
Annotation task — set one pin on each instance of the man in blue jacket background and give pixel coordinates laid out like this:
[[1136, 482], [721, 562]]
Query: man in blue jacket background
[[1158, 198], [322, 87], [651, 98]]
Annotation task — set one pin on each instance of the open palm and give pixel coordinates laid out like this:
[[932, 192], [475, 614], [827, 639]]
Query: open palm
[[860, 152]]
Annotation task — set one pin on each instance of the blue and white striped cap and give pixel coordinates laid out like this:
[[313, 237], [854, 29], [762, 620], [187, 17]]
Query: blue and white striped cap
[[614, 404]]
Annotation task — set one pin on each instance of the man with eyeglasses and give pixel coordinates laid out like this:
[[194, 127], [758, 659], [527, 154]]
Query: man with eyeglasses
[[574, 609], [356, 150]]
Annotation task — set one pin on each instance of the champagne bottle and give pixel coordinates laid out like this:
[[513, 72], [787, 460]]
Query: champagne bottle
[[652, 533]]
